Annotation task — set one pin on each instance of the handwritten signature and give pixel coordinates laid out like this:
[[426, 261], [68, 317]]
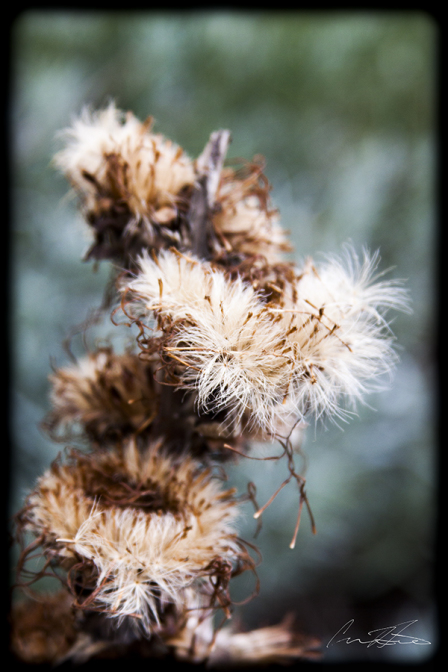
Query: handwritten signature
[[388, 636]]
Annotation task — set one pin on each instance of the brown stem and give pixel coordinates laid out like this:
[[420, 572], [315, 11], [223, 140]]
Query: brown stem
[[208, 166]]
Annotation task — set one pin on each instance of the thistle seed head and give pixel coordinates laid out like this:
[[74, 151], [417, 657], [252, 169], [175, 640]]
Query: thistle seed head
[[132, 183], [245, 221], [108, 395], [137, 532], [219, 335], [320, 347], [342, 347]]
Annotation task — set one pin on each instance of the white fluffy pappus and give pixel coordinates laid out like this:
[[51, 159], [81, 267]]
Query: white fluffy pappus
[[320, 349], [112, 156], [152, 526], [342, 344], [229, 346]]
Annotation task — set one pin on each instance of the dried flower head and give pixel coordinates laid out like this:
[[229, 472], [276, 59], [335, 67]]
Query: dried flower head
[[133, 183], [244, 220], [341, 342], [109, 395], [218, 334], [323, 344], [139, 533]]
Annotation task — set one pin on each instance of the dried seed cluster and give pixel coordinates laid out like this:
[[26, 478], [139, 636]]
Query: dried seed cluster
[[135, 530], [244, 220], [235, 345], [108, 395], [322, 342], [132, 183]]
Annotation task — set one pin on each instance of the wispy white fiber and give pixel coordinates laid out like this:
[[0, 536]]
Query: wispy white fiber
[[145, 558], [129, 163], [231, 344], [341, 341], [321, 349]]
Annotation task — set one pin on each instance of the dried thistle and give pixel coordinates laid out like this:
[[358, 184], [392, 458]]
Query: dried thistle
[[219, 335], [340, 340], [108, 395], [138, 190], [236, 345], [112, 396], [323, 343], [133, 183], [137, 533]]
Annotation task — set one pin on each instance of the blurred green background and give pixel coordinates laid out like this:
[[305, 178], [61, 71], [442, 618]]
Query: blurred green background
[[342, 106]]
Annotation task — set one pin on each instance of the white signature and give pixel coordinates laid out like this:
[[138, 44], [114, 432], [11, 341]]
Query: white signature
[[388, 636]]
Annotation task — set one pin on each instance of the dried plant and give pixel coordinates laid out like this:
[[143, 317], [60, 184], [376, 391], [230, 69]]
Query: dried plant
[[132, 183], [324, 340], [108, 395], [244, 221], [234, 345], [136, 531]]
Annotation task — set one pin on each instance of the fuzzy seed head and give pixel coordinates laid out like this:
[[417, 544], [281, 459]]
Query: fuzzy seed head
[[149, 529], [228, 344], [131, 181], [245, 218], [109, 395], [322, 347], [341, 343]]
